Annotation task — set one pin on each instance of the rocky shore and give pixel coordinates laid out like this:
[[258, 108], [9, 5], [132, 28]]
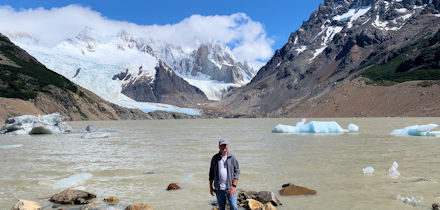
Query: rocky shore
[[74, 199]]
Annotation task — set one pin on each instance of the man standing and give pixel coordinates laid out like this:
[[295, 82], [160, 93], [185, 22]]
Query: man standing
[[224, 172]]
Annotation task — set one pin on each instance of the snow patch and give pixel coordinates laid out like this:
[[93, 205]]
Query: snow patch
[[352, 15], [301, 49], [317, 52]]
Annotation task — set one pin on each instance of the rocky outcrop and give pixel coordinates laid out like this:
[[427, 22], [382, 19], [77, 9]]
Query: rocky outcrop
[[166, 88], [26, 205], [72, 196], [341, 41]]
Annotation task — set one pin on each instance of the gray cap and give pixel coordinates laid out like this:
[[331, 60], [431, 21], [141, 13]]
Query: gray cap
[[223, 141]]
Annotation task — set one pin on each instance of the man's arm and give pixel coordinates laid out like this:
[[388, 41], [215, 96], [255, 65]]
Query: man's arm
[[211, 189], [236, 177]]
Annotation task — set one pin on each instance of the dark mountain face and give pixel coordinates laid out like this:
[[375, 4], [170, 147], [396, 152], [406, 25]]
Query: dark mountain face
[[341, 40], [166, 87]]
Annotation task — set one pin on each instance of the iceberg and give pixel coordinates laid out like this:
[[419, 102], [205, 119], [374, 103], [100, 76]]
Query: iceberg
[[368, 170], [393, 172], [417, 130], [72, 181], [31, 124], [315, 127]]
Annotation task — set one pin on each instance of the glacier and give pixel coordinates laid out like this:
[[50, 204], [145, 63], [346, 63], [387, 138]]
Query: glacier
[[417, 130], [320, 127]]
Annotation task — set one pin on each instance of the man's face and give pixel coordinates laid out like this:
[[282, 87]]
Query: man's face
[[223, 148]]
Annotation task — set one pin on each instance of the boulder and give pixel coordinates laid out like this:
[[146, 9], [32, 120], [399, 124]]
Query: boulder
[[72, 196], [290, 189], [262, 196], [269, 206], [254, 204], [139, 206], [26, 205], [267, 196], [173, 186]]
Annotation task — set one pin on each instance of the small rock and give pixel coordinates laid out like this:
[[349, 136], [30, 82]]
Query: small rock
[[111, 200], [296, 190], [173, 186], [139, 206], [26, 205], [285, 185], [254, 204], [435, 206], [269, 206], [72, 196]]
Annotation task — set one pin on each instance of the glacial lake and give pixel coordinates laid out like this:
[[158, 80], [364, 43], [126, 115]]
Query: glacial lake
[[137, 163]]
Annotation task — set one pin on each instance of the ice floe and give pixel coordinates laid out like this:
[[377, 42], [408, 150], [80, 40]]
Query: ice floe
[[417, 130], [315, 127], [368, 170], [39, 124], [95, 135], [393, 172], [75, 180], [12, 146], [410, 200]]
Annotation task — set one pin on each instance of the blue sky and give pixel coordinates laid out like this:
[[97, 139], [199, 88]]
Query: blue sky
[[279, 18]]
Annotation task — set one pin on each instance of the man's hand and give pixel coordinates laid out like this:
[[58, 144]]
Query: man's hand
[[211, 190], [232, 190]]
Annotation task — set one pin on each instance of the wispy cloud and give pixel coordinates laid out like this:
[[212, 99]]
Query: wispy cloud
[[246, 37]]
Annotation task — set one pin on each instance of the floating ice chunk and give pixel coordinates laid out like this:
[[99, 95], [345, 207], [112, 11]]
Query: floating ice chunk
[[410, 200], [72, 181], [280, 128], [314, 127], [393, 172], [417, 130], [353, 128], [95, 135], [11, 146], [368, 170], [40, 124]]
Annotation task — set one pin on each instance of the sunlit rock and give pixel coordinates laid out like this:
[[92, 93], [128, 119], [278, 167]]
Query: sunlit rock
[[72, 196], [26, 205]]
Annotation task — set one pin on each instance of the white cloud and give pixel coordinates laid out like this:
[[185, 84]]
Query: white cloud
[[51, 26]]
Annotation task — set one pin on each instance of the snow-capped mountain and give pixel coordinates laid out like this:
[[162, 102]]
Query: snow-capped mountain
[[98, 61], [342, 40]]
